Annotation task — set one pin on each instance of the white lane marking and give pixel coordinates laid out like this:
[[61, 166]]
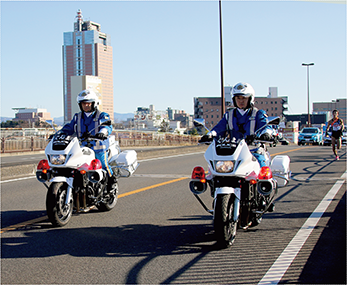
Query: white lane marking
[[164, 157], [281, 265], [143, 160], [17, 179]]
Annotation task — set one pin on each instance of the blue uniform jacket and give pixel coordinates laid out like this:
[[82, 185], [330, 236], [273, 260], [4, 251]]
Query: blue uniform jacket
[[87, 124], [240, 122]]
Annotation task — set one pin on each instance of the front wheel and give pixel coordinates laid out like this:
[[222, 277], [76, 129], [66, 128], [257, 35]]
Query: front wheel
[[224, 224], [58, 212]]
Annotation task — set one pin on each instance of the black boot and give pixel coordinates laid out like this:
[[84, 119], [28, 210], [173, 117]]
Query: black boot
[[112, 183], [271, 208]]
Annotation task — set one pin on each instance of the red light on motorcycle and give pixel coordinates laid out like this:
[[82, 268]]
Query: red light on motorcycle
[[199, 174], [265, 173], [83, 171], [43, 165], [95, 164]]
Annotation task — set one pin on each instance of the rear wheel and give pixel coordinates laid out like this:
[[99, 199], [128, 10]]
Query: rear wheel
[[58, 212], [224, 224]]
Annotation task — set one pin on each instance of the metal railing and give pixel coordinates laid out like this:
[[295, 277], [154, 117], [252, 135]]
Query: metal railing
[[15, 140]]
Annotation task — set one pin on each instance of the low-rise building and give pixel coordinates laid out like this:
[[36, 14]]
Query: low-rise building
[[209, 108], [32, 115]]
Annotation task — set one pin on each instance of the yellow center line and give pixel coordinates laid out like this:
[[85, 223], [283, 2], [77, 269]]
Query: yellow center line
[[41, 219], [151, 187], [295, 149]]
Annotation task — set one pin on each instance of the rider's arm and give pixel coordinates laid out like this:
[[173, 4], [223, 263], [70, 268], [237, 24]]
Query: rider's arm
[[261, 120], [106, 130], [221, 127], [69, 128]]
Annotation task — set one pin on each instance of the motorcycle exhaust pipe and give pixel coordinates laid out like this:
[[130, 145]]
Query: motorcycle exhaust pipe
[[95, 175], [266, 187], [197, 187]]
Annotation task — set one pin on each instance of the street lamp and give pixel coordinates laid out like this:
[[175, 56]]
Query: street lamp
[[308, 91], [221, 58]]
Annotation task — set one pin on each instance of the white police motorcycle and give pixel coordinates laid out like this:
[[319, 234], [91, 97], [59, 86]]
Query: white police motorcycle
[[242, 191], [77, 181]]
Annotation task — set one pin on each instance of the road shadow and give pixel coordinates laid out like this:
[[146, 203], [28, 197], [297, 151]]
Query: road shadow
[[134, 240], [127, 240], [10, 218]]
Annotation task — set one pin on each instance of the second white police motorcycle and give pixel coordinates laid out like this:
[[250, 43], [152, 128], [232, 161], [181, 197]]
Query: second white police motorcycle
[[77, 180], [242, 191]]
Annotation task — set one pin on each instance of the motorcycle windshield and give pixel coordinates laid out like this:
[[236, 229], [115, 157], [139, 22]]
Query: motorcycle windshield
[[228, 144], [61, 141]]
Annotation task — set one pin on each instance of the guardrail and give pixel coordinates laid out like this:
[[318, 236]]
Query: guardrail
[[12, 143]]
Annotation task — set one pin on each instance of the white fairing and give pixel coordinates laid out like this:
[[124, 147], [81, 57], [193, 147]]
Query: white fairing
[[244, 161], [113, 146], [75, 154]]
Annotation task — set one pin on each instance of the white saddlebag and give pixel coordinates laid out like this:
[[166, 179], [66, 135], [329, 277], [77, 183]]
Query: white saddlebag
[[125, 163], [280, 167]]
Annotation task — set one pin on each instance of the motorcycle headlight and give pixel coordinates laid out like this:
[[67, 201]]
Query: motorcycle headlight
[[58, 159], [224, 166]]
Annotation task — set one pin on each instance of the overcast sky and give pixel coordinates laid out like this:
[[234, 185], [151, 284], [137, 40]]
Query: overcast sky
[[166, 53]]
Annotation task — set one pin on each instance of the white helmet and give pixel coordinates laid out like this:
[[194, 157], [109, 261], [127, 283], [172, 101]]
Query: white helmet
[[246, 90], [88, 96]]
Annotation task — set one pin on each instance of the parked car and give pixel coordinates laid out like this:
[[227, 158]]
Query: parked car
[[310, 135], [327, 139]]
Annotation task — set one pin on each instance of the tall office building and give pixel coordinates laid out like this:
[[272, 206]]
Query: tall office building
[[87, 52]]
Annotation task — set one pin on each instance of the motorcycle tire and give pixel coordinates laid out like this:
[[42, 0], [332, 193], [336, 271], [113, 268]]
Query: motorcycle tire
[[58, 214], [111, 201], [224, 225]]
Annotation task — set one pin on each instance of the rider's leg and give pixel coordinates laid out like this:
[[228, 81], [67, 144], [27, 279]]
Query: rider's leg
[[260, 158], [103, 157]]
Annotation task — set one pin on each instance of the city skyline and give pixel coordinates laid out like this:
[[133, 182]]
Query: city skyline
[[167, 52]]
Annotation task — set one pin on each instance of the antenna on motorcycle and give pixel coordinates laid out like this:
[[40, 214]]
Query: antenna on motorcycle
[[198, 122]]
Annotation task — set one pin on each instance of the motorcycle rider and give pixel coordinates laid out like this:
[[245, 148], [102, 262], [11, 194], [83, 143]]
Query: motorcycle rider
[[244, 118], [337, 126], [89, 120]]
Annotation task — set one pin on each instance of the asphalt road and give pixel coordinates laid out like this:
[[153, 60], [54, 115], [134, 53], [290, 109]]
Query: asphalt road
[[161, 234]]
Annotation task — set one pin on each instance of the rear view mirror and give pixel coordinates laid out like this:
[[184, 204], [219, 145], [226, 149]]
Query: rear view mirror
[[199, 122], [274, 120]]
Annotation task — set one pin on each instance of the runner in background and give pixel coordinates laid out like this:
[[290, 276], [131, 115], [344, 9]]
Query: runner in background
[[336, 126]]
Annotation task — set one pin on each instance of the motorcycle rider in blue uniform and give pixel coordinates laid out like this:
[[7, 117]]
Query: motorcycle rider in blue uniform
[[244, 118], [88, 120]]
